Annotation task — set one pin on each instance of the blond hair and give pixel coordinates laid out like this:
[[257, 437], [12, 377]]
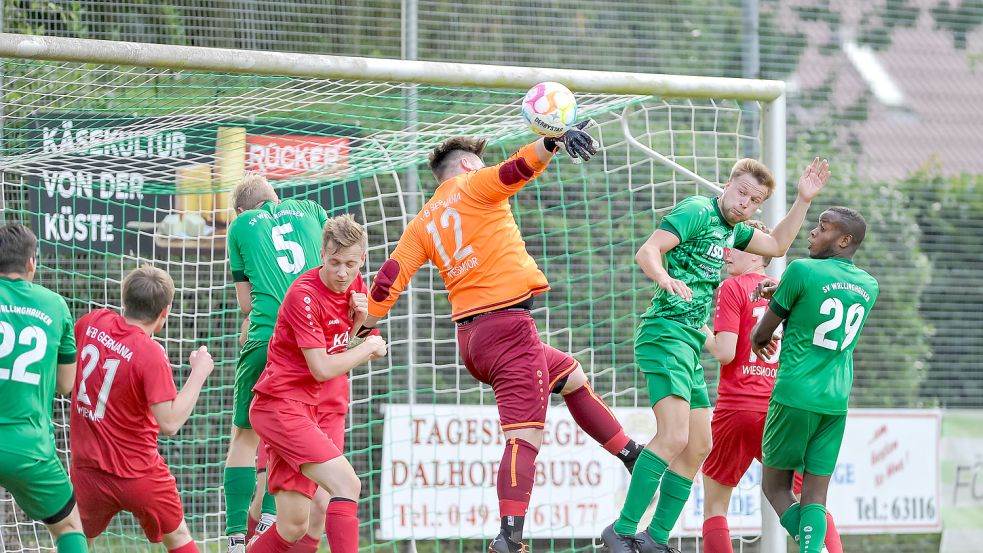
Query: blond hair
[[756, 169], [342, 232], [252, 192], [147, 291], [756, 224]]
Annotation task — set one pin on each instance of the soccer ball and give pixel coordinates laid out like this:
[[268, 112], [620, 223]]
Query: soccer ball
[[549, 109]]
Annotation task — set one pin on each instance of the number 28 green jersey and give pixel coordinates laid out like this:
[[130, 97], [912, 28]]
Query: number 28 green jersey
[[826, 303], [270, 247], [698, 258], [36, 335]]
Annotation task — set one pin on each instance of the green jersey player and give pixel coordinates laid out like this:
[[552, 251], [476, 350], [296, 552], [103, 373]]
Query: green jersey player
[[825, 301], [37, 356], [271, 243], [692, 238]]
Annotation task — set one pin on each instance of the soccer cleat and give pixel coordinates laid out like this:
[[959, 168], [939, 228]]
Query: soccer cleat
[[265, 521], [502, 544], [644, 543], [617, 543], [237, 543]]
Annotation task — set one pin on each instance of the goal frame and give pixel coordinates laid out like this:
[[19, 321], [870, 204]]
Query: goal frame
[[769, 93]]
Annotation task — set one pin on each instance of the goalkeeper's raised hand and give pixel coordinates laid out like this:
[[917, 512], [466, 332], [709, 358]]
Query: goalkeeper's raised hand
[[578, 144]]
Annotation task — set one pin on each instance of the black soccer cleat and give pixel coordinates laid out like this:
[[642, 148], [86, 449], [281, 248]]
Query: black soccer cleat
[[617, 543], [644, 543], [629, 455], [502, 544]]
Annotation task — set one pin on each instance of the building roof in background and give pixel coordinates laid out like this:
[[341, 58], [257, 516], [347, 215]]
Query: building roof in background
[[940, 117]]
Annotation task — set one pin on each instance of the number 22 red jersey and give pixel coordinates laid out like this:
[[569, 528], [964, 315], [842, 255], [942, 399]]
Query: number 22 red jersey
[[121, 372]]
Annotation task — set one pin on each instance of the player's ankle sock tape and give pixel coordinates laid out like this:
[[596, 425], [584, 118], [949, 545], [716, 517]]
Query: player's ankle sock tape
[[790, 521], [190, 547], [716, 535], [591, 414], [72, 542], [269, 503], [673, 493], [239, 485], [306, 544], [516, 475], [812, 528], [512, 528], [341, 525], [644, 482], [832, 541]]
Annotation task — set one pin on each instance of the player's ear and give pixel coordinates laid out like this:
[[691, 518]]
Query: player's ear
[[162, 319], [31, 267]]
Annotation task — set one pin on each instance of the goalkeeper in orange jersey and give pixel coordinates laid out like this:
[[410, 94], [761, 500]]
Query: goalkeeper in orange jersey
[[468, 231]]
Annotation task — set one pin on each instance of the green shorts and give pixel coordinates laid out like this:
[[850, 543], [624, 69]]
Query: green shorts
[[252, 361], [800, 440], [39, 484], [669, 354]]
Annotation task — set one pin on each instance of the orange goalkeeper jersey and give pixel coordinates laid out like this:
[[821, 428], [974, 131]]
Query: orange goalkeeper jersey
[[468, 231]]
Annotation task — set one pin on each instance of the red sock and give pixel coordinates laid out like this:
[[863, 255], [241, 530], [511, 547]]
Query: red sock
[[250, 527], [342, 525], [516, 475], [833, 543], [593, 415], [306, 544], [190, 547], [716, 536], [270, 542]]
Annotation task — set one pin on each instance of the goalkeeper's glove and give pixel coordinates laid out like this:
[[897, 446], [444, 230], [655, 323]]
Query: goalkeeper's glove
[[577, 143]]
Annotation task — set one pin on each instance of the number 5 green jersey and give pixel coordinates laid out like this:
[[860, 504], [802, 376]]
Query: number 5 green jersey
[[270, 247], [36, 335], [826, 302]]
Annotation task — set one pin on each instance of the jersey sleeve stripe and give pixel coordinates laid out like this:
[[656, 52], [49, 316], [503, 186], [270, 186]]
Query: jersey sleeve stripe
[[239, 276], [778, 309], [65, 358], [667, 226]]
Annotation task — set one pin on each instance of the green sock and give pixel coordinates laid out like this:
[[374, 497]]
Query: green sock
[[673, 494], [812, 528], [269, 502], [72, 542], [239, 485], [644, 481], [790, 521]]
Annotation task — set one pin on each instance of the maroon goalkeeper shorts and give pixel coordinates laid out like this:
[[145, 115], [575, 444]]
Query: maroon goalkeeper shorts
[[736, 442], [152, 498], [503, 349]]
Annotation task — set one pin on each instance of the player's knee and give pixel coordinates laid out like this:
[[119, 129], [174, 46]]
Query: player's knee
[[292, 526], [319, 506], [349, 487], [672, 442], [572, 382], [178, 538], [65, 521]]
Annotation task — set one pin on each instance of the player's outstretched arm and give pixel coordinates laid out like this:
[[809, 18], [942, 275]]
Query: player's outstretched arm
[[812, 181], [325, 367], [649, 258], [244, 296], [171, 415], [65, 380], [721, 345]]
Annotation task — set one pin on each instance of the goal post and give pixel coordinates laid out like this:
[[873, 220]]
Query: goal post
[[119, 154]]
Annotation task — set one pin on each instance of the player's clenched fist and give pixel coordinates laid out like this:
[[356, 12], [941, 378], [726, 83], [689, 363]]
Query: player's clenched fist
[[376, 345], [358, 307], [201, 360], [764, 290]]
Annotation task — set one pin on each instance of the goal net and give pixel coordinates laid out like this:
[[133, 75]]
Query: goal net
[[118, 165]]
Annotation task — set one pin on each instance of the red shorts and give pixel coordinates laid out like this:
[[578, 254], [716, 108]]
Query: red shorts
[[332, 424], [293, 438], [736, 442], [503, 349], [152, 498]]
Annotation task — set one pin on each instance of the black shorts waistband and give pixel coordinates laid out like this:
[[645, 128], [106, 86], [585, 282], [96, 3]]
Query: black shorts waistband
[[524, 305]]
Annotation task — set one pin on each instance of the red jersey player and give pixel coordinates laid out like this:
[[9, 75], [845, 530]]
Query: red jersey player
[[468, 231], [743, 391], [308, 353], [123, 397]]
